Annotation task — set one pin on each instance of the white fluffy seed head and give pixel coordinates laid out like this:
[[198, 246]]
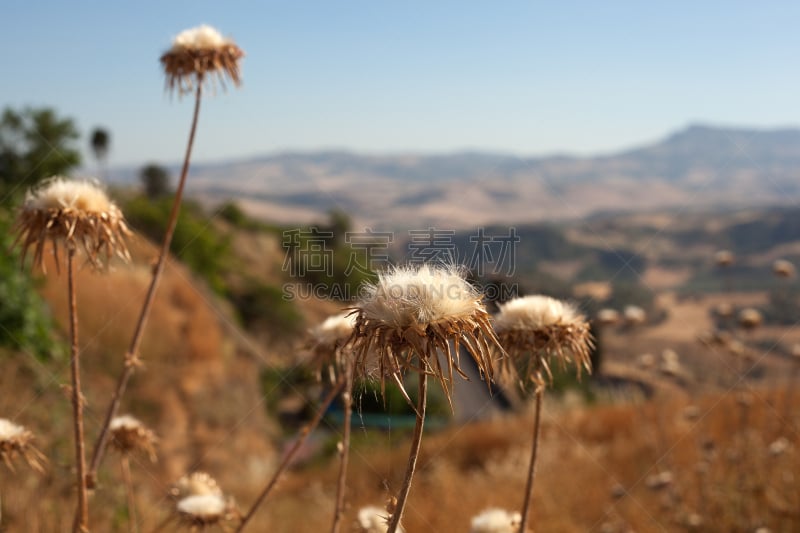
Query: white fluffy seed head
[[125, 422], [750, 318], [203, 37], [634, 315], [9, 430], [783, 268], [607, 317], [202, 506], [373, 519], [418, 295], [536, 312], [335, 329], [63, 193], [724, 258], [495, 521]]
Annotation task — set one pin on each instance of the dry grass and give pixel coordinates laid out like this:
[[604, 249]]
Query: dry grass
[[199, 393]]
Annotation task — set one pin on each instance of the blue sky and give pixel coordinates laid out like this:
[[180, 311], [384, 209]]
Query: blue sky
[[523, 77]]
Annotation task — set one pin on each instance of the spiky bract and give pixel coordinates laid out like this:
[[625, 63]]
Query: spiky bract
[[199, 54], [75, 213], [15, 441], [130, 435], [535, 329], [413, 314], [330, 353]]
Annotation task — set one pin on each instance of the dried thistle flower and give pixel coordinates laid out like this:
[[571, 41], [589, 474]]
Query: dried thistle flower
[[724, 258], [534, 329], [16, 440], [670, 363], [659, 481], [200, 502], [129, 435], [634, 315], [783, 268], [201, 510], [495, 521], [75, 213], [724, 310], [198, 52], [646, 361], [607, 317], [327, 343], [414, 312], [373, 519], [779, 446], [750, 318]]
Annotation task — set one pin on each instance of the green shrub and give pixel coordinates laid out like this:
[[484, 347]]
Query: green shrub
[[263, 307], [25, 321], [196, 242]]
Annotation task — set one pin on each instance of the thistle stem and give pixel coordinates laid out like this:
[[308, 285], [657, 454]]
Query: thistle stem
[[347, 402], [82, 522], [304, 433], [131, 357], [397, 513], [125, 466], [523, 526]]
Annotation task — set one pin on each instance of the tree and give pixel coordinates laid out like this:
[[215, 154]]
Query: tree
[[100, 145], [155, 180], [35, 143]]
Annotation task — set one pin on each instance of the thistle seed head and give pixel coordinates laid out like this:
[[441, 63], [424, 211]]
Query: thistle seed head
[[496, 521], [724, 258], [750, 318], [15, 441], [634, 315], [198, 55], [535, 329], [129, 435], [329, 352], [373, 519], [607, 317], [201, 510], [413, 314], [783, 268], [73, 213]]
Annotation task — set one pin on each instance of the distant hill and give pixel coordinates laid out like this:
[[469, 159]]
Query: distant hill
[[697, 167]]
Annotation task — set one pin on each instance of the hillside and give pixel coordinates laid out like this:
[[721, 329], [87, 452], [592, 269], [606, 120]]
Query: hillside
[[697, 167], [226, 397]]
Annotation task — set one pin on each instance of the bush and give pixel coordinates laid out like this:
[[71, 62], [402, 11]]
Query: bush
[[263, 307], [196, 242], [25, 318]]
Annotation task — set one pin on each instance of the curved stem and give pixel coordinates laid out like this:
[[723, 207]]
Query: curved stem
[[133, 349], [347, 401], [523, 526], [304, 434], [397, 514], [82, 522]]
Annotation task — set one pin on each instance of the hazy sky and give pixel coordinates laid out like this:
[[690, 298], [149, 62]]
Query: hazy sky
[[381, 76]]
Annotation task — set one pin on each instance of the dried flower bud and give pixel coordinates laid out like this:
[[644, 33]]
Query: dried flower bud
[[496, 521], [198, 54], [129, 435], [16, 440], [783, 268], [75, 214]]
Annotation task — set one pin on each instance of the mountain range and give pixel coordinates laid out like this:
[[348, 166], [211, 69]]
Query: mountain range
[[698, 167]]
